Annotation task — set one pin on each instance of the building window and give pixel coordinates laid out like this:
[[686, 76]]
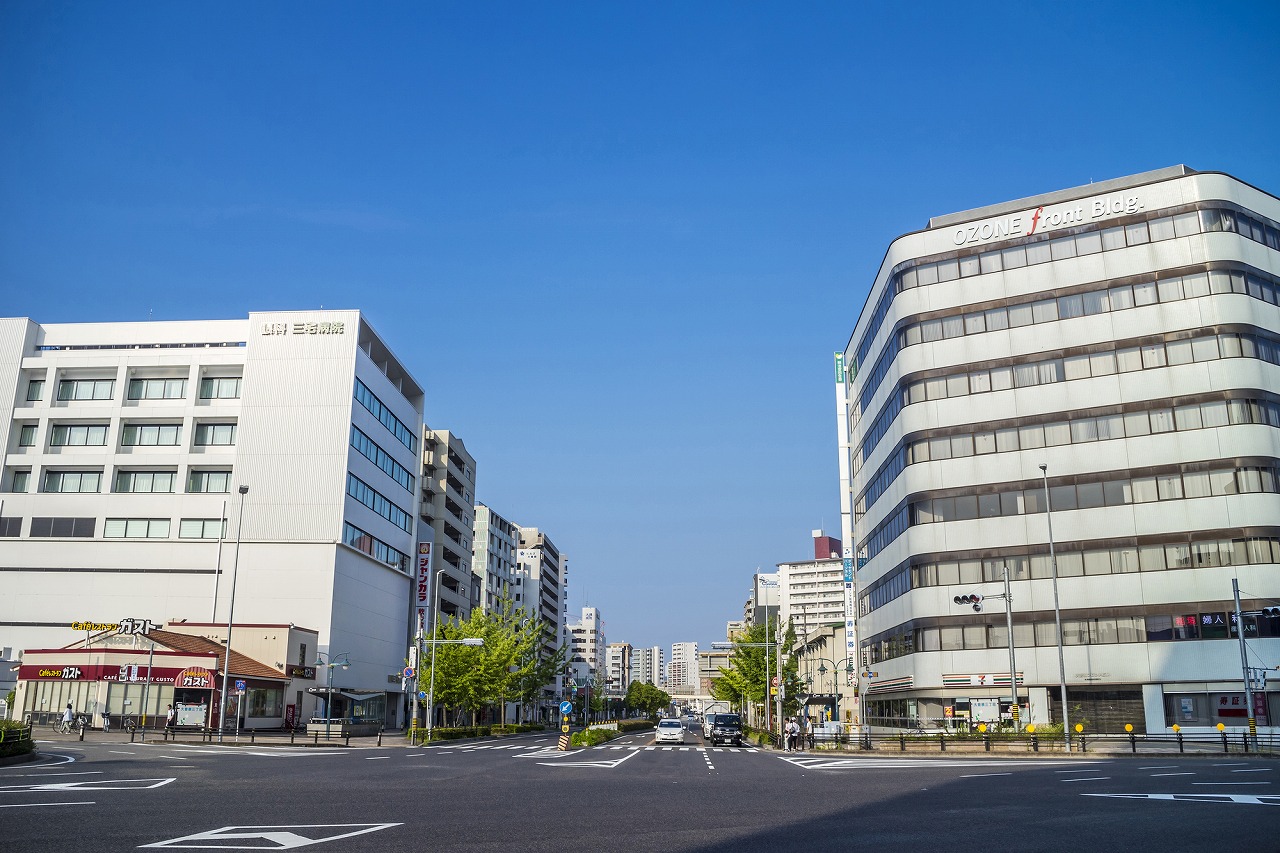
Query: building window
[[10, 527], [202, 528], [19, 481], [63, 528], [370, 401], [145, 482], [78, 435], [86, 389], [27, 435], [72, 481], [136, 528], [157, 389], [220, 388], [375, 454], [374, 500], [209, 482], [151, 435], [35, 390], [266, 702], [374, 547], [209, 435]]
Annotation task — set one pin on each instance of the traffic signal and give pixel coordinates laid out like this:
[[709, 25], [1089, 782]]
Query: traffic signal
[[974, 599], [1271, 611]]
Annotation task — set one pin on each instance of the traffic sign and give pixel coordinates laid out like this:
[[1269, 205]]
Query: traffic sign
[[564, 728], [422, 694], [566, 707], [774, 681], [408, 672], [239, 685]]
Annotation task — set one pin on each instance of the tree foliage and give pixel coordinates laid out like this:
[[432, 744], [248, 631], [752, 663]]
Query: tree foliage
[[752, 667], [644, 697], [509, 667]]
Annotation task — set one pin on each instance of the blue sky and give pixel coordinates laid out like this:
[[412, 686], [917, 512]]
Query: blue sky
[[617, 243]]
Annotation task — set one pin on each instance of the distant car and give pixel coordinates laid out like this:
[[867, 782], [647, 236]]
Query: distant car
[[669, 731], [727, 728], [708, 720]]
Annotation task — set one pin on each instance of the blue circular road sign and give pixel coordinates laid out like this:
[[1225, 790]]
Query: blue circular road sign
[[566, 707]]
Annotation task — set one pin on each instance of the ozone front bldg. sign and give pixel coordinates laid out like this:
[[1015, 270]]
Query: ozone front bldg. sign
[[1045, 218]]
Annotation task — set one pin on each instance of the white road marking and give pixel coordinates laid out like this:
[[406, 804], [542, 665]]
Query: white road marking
[[1086, 779], [817, 763], [381, 757], [1230, 783], [981, 775], [1153, 775], [1230, 764], [1160, 767], [36, 805], [279, 837], [76, 773], [122, 752], [1255, 770], [89, 785], [1246, 799], [607, 764]]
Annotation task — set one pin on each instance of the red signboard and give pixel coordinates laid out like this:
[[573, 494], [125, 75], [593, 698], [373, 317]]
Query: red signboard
[[194, 678], [96, 672]]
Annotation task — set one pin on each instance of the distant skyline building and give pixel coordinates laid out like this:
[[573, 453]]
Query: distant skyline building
[[618, 668], [648, 665], [543, 580], [587, 645], [1118, 346], [811, 593], [763, 598], [682, 671]]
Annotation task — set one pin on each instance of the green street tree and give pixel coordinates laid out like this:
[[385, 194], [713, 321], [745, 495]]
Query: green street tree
[[646, 698]]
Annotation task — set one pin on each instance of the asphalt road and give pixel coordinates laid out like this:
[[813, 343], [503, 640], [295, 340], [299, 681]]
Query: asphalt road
[[522, 794]]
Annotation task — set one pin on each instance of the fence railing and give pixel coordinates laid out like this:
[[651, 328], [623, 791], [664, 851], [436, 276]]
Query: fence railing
[[1228, 743]]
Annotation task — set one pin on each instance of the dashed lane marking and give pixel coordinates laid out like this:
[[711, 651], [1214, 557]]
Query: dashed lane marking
[[1087, 779], [1243, 799], [38, 805], [1183, 773]]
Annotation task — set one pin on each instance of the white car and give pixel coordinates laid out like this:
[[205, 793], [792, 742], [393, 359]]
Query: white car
[[669, 731]]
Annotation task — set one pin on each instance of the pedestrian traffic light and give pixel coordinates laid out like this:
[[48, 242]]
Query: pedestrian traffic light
[[974, 599]]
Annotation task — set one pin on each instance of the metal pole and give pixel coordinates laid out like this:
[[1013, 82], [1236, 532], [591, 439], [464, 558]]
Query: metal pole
[[1244, 660], [1013, 667], [226, 664], [1057, 615], [217, 562], [768, 706], [328, 699], [417, 666], [435, 627], [778, 642], [146, 688]]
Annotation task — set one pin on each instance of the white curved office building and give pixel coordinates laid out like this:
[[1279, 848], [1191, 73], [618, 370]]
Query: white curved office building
[[1126, 336]]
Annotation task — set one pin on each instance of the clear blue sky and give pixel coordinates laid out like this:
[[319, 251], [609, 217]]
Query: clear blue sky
[[617, 243]]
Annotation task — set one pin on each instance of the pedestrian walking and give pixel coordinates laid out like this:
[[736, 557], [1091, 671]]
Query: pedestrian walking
[[793, 734], [106, 722], [170, 718]]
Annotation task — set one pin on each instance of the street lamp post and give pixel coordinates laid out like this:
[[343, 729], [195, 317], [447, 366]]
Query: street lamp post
[[343, 661], [1057, 614], [431, 694], [435, 630], [231, 616]]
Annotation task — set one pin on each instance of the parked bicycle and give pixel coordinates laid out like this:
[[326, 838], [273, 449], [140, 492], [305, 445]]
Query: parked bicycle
[[67, 727]]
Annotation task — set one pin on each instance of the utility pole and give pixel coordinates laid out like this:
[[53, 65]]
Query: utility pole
[[1244, 663]]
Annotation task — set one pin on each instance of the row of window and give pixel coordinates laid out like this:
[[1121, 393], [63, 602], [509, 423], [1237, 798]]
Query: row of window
[[1114, 492], [1004, 437], [370, 401], [1172, 351], [370, 450], [1049, 248], [1157, 557], [116, 528], [126, 482], [1120, 491], [374, 547], [1103, 630], [131, 435], [1100, 300], [211, 388], [374, 500]]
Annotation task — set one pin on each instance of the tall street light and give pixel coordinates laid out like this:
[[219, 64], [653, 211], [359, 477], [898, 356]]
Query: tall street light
[[231, 616], [1057, 614], [343, 661]]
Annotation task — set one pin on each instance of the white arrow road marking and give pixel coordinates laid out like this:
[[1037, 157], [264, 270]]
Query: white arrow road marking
[[1245, 799], [90, 785], [609, 764], [275, 837], [545, 752]]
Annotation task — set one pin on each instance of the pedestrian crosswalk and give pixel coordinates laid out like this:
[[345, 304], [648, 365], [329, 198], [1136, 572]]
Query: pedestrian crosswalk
[[526, 747]]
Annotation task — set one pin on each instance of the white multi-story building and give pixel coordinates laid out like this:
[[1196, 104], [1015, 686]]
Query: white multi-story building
[[683, 669], [448, 500], [1116, 346], [586, 645], [150, 469], [811, 594], [542, 581], [493, 556], [763, 601], [618, 668], [647, 665]]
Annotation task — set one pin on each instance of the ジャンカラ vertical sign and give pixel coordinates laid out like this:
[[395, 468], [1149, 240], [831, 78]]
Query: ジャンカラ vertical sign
[[422, 586]]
